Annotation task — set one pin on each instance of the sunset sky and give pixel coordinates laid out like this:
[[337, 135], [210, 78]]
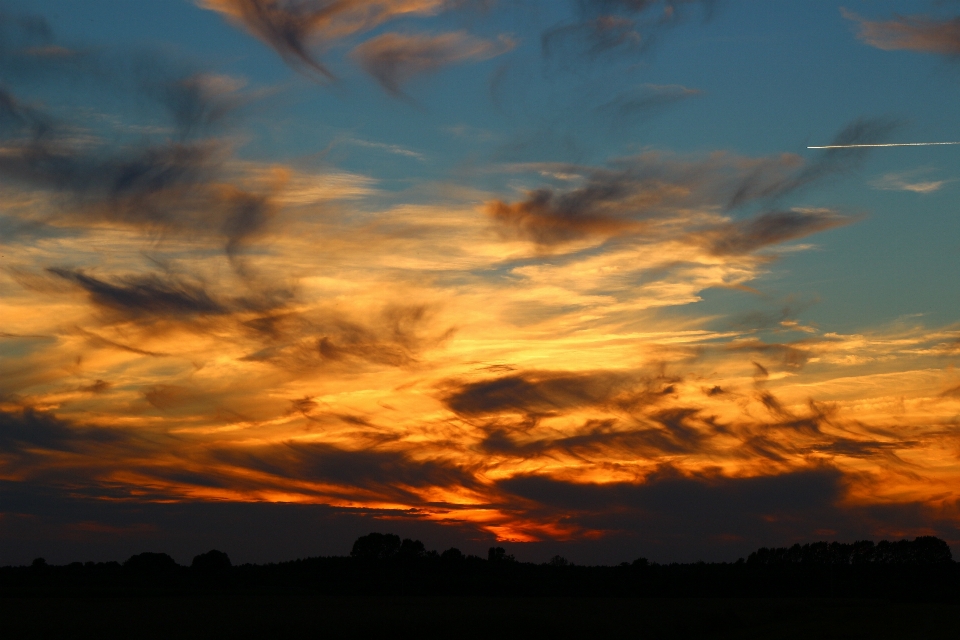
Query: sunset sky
[[558, 275]]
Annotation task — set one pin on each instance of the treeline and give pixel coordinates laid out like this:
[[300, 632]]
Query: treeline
[[383, 564], [926, 550]]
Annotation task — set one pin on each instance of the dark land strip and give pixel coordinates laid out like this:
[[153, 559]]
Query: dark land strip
[[389, 587]]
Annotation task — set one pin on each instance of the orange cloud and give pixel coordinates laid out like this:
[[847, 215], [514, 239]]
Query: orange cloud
[[291, 27]]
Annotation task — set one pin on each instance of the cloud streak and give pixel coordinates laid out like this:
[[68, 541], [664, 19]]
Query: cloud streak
[[646, 99], [293, 28], [393, 59], [910, 33], [136, 296], [604, 26], [636, 196]]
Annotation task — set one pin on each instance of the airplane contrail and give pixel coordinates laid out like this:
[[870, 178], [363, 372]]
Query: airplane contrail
[[891, 144]]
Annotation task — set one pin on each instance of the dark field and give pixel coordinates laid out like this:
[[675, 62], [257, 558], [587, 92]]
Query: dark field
[[384, 617]]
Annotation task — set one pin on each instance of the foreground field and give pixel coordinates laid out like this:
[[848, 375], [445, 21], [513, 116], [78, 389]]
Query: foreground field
[[278, 616]]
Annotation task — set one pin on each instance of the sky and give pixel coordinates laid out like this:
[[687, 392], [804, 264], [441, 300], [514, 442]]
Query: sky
[[561, 276]]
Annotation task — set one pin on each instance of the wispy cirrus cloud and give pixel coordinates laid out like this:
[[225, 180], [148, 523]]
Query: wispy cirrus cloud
[[655, 195], [143, 295], [603, 26], [911, 33], [389, 148], [393, 59], [908, 181], [646, 99], [298, 29], [169, 183]]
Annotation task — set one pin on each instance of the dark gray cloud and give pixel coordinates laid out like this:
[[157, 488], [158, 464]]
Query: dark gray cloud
[[790, 355], [385, 474], [29, 51], [166, 186], [623, 198], [394, 337], [770, 228], [645, 100], [172, 179], [864, 448], [96, 387], [827, 163], [29, 428], [393, 59], [648, 421], [780, 317], [287, 27], [98, 341], [146, 295], [671, 516], [536, 393], [151, 187], [668, 491], [299, 30], [672, 431], [40, 447], [548, 218], [196, 103], [246, 216], [167, 297], [603, 26], [68, 525], [17, 118]]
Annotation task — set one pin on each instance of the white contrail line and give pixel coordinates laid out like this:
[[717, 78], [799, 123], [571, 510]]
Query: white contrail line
[[892, 144]]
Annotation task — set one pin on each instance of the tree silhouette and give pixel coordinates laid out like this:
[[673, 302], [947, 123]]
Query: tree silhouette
[[452, 556], [150, 564], [211, 562], [499, 554], [411, 549], [558, 561], [376, 546]]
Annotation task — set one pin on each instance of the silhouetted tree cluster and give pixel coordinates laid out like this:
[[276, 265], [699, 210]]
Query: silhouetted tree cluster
[[151, 565], [376, 546], [499, 554], [925, 550]]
